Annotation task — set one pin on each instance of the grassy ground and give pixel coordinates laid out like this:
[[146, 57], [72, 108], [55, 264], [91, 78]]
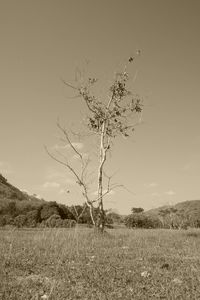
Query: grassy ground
[[78, 264]]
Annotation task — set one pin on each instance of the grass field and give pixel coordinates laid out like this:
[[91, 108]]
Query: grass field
[[79, 264]]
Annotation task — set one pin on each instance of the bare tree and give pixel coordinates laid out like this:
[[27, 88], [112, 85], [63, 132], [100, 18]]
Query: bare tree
[[107, 120]]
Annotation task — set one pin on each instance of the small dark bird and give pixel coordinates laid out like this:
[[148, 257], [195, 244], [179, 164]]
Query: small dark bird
[[165, 266], [68, 192], [130, 59]]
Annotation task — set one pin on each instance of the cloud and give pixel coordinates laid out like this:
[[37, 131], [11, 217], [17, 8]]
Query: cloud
[[187, 166], [52, 184], [84, 156], [5, 168], [111, 192], [62, 191], [52, 174], [60, 177], [78, 146], [110, 202], [70, 181], [170, 193], [152, 184], [155, 194], [95, 193]]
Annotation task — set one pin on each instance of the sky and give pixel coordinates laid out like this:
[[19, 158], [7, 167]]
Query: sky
[[44, 41]]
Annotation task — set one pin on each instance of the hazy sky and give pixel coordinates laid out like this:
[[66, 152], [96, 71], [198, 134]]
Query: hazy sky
[[42, 41]]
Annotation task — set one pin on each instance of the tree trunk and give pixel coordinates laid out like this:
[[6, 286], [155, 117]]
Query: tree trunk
[[101, 214], [100, 222]]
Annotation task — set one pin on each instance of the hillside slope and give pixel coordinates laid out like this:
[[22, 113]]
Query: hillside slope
[[9, 193], [188, 209], [17, 208]]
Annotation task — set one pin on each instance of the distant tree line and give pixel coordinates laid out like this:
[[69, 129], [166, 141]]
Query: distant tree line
[[25, 214], [169, 218], [49, 214], [174, 218], [139, 219], [19, 209], [53, 214]]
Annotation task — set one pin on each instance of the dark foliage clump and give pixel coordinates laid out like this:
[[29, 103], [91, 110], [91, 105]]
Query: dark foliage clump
[[141, 220]]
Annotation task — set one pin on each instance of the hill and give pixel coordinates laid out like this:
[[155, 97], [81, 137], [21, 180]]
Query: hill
[[18, 208], [187, 211], [189, 207], [9, 193]]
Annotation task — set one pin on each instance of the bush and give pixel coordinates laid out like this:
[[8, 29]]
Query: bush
[[14, 195], [141, 220], [65, 212], [113, 217], [67, 223], [7, 220], [11, 209], [3, 179], [49, 209], [33, 218], [3, 192], [53, 221], [2, 221], [20, 221]]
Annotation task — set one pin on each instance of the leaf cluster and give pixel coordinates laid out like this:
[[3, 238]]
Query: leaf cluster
[[117, 114]]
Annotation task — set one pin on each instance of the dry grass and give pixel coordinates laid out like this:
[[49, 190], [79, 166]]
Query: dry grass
[[78, 264]]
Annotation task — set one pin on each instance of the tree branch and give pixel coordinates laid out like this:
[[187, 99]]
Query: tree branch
[[64, 164], [68, 140], [69, 85]]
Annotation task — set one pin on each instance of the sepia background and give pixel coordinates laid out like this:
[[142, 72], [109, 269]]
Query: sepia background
[[44, 41]]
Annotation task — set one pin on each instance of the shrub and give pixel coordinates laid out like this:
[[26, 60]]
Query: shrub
[[33, 217], [7, 220], [3, 192], [113, 217], [11, 208], [141, 220], [3, 179], [13, 195], [20, 221], [53, 221], [2, 221], [137, 210], [49, 209], [65, 212], [67, 223]]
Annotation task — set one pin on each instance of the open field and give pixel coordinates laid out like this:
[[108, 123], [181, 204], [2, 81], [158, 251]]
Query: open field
[[79, 264]]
